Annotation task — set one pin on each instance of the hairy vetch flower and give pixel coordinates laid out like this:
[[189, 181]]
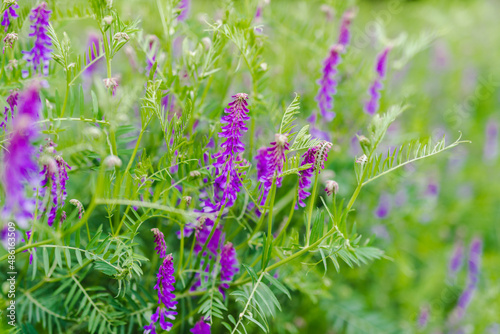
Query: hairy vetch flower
[[328, 84], [332, 187], [40, 54], [384, 206], [184, 9], [93, 44], [79, 206], [270, 164], [165, 287], [8, 14], [228, 266], [201, 327], [490, 148], [227, 182], [371, 107], [344, 33], [457, 259], [316, 156], [161, 246], [473, 277], [55, 175], [19, 164], [9, 40], [12, 101]]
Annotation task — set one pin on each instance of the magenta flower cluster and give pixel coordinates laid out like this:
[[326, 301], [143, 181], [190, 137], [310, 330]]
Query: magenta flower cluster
[[373, 104], [316, 156], [12, 101], [229, 266], [165, 287], [227, 182], [40, 54], [270, 163], [20, 167]]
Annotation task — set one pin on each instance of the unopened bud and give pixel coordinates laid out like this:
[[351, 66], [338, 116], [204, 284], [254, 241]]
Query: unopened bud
[[194, 174], [207, 42], [332, 187], [187, 199], [107, 20], [9, 40], [112, 161], [362, 159], [119, 36]]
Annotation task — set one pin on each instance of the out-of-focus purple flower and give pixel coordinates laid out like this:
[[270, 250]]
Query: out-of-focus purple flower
[[93, 43], [316, 156], [161, 246], [7, 237], [490, 150], [228, 267], [19, 165], [344, 33], [423, 317], [432, 189], [184, 6], [464, 300], [384, 206], [154, 46], [371, 107], [273, 158], [381, 231], [227, 182], [8, 14], [12, 101], [332, 187], [40, 54], [165, 287], [201, 327], [457, 259], [328, 84]]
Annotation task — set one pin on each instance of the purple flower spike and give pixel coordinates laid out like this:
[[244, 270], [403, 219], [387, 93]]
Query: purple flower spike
[[345, 34], [40, 54], [229, 267], [316, 156], [475, 253], [165, 287], [201, 327], [372, 106], [227, 182], [423, 317], [328, 84], [8, 14], [270, 163], [19, 164], [161, 246], [12, 101]]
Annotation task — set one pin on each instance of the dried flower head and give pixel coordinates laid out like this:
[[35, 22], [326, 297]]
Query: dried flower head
[[332, 187]]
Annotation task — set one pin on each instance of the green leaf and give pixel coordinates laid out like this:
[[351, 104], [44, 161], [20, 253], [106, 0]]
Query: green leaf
[[289, 116]]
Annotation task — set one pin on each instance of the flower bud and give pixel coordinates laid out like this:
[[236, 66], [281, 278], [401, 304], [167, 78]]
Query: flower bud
[[112, 161], [187, 199], [119, 36], [207, 42], [107, 20], [332, 187], [194, 174]]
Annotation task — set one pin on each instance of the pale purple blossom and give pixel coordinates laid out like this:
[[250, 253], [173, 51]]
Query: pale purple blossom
[[490, 148], [184, 6], [328, 83], [457, 259], [384, 206], [12, 101], [344, 33]]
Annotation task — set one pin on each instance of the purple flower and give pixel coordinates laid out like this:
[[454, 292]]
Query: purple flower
[[40, 54], [12, 101], [161, 246], [201, 327], [423, 317], [184, 8], [316, 156], [273, 158], [473, 277], [371, 107], [93, 43], [384, 206], [54, 174], [153, 45], [8, 14], [228, 266], [165, 287], [227, 182], [490, 149], [345, 34], [457, 259], [328, 84], [19, 164]]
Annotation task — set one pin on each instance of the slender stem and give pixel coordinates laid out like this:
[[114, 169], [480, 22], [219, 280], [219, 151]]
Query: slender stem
[[312, 199]]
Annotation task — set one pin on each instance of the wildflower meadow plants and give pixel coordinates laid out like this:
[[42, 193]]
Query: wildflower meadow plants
[[161, 173]]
